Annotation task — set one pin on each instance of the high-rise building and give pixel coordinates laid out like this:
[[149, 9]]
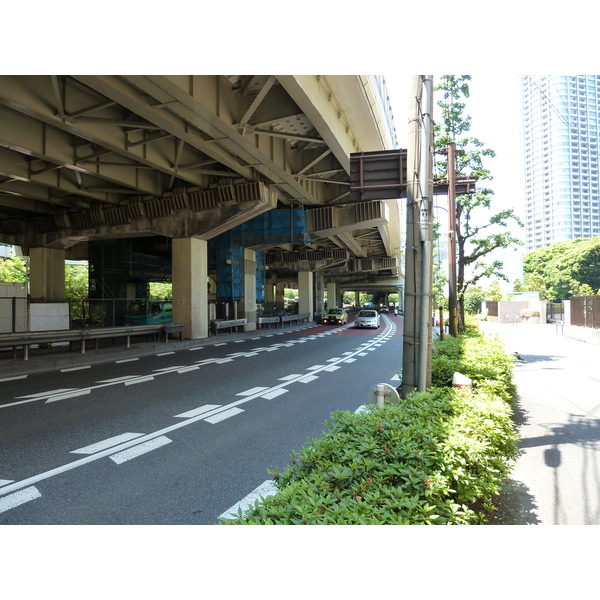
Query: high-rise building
[[560, 142]]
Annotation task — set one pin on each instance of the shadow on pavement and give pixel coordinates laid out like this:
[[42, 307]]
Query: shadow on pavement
[[516, 506]]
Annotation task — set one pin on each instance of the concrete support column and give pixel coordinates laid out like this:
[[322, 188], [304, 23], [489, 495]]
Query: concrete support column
[[357, 299], [306, 293], [319, 294], [249, 302], [332, 296], [190, 288], [47, 273], [279, 294], [269, 293]]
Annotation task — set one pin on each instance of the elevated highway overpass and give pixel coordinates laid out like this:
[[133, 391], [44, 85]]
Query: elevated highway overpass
[[155, 163]]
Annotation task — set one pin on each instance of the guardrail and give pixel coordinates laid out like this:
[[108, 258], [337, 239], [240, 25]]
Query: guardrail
[[281, 319], [28, 338], [227, 324]]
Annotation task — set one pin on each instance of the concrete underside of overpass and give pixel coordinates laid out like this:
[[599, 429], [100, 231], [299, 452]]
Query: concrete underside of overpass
[[85, 160]]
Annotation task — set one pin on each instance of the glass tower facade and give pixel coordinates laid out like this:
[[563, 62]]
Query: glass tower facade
[[560, 151]]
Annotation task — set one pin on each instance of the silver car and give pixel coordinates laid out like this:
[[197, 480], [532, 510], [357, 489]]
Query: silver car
[[367, 318]]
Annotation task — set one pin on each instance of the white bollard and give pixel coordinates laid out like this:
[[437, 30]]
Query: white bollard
[[460, 381]]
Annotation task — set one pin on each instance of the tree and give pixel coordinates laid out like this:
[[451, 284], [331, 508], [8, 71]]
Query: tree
[[561, 269], [13, 270], [474, 296], [476, 238], [494, 291]]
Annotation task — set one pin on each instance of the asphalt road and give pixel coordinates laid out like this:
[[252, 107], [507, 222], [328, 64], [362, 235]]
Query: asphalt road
[[179, 437]]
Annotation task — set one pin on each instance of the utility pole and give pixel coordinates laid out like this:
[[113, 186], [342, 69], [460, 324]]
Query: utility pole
[[453, 321], [416, 361]]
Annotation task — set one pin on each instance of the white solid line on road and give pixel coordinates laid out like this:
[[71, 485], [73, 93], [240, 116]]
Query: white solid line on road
[[73, 394], [75, 369], [274, 394], [224, 415], [165, 353], [126, 360], [140, 449], [108, 443], [18, 498], [267, 488], [197, 411], [5, 481], [13, 378]]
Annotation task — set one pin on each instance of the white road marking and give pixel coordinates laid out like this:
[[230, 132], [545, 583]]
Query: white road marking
[[221, 344], [107, 443], [13, 378], [350, 360], [265, 489], [315, 367], [140, 380], [333, 359], [307, 379], [18, 498], [224, 415], [73, 394], [75, 369], [251, 391], [165, 353], [5, 481], [50, 393], [187, 369], [332, 368], [396, 377], [288, 377], [274, 394], [118, 379], [126, 360], [140, 449], [198, 411]]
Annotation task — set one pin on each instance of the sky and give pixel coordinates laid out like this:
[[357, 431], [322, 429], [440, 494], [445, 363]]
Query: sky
[[493, 105]]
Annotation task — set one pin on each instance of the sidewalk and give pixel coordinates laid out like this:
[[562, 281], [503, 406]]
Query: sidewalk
[[556, 480]]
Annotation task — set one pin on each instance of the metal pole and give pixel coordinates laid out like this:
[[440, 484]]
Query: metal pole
[[426, 227], [453, 326]]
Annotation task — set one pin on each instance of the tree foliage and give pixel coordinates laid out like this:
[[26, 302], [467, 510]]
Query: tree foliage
[[563, 269], [477, 235]]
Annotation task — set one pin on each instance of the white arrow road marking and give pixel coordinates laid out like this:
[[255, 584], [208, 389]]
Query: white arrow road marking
[[18, 498], [224, 415], [140, 449], [268, 488], [108, 443]]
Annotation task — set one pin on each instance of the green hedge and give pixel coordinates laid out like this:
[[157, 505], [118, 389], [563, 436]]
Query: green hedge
[[436, 458]]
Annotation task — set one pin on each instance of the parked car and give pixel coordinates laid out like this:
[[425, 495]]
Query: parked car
[[367, 318], [149, 312], [335, 316]]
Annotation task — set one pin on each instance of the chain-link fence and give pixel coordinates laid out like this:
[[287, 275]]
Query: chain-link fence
[[23, 314]]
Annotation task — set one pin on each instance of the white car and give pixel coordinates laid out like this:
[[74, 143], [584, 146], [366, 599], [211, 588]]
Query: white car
[[367, 318]]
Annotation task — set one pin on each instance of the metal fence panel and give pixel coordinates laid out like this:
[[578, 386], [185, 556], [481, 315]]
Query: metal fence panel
[[585, 311]]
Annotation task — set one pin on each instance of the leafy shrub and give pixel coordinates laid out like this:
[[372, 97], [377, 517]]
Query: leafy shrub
[[431, 459]]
